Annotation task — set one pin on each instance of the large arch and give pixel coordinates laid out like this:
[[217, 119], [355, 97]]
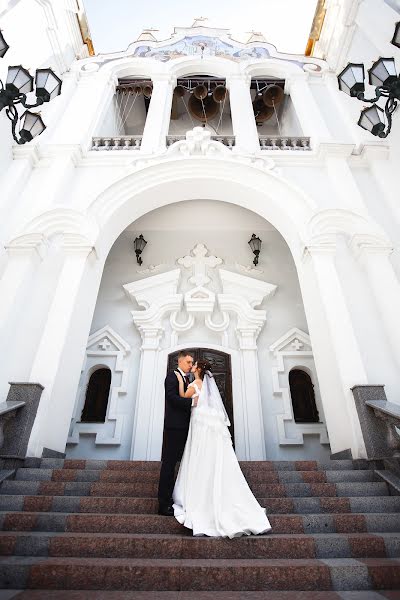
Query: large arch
[[253, 185]]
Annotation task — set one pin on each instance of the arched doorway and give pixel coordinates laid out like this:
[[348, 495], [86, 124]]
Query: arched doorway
[[259, 189], [221, 368], [96, 399], [303, 397]]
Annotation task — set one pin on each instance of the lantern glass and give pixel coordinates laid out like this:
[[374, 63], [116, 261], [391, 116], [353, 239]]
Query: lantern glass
[[48, 85], [255, 243], [19, 80], [139, 244], [396, 36], [3, 45], [351, 79], [31, 127], [371, 119], [382, 72]]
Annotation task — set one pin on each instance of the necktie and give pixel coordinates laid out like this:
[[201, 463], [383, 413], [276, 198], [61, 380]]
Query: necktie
[[187, 380]]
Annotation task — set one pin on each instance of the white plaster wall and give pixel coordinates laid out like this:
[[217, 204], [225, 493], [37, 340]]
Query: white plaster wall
[[172, 232]]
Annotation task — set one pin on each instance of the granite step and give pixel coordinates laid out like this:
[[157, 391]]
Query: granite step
[[149, 490], [265, 465], [156, 595], [136, 523], [271, 546], [199, 574], [151, 476], [109, 504], [159, 595]]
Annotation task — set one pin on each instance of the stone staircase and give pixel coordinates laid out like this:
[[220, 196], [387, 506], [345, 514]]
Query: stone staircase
[[92, 525]]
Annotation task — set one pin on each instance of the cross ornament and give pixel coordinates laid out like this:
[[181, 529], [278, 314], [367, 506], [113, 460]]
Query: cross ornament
[[105, 344], [297, 345], [199, 261]]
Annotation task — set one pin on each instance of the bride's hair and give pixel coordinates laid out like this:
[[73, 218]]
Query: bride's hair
[[203, 366]]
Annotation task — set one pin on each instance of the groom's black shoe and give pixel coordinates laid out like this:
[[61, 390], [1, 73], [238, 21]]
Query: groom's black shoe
[[166, 510]]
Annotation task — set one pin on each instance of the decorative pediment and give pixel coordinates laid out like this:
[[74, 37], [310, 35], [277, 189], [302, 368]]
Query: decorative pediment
[[253, 290], [199, 299], [294, 341], [106, 340]]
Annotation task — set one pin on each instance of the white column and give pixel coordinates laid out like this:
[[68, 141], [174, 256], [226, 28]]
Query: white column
[[88, 101], [51, 425], [385, 287], [21, 265], [385, 172], [253, 424], [158, 116], [332, 331], [346, 192], [307, 110], [243, 121], [348, 109], [147, 437]]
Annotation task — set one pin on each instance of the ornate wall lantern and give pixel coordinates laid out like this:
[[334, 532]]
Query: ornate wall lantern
[[255, 245], [139, 245], [383, 76], [19, 83]]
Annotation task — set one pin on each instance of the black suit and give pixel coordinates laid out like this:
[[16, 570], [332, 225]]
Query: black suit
[[176, 426]]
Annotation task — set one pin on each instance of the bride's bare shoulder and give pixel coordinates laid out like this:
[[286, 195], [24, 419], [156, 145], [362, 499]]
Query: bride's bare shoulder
[[198, 382]]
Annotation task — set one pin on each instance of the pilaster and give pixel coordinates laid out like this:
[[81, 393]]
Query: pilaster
[[243, 122], [158, 116]]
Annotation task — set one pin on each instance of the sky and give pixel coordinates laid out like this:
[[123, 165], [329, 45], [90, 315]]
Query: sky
[[114, 24]]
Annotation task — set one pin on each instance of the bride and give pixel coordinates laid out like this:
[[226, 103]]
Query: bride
[[211, 495]]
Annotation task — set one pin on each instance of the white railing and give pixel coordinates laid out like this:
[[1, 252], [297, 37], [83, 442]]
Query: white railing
[[117, 142], [227, 140], [134, 142], [268, 142]]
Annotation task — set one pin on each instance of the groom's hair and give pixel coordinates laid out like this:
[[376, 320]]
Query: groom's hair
[[183, 353]]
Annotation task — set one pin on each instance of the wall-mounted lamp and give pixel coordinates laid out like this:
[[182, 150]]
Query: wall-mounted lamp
[[383, 76], [18, 84], [139, 245], [255, 245]]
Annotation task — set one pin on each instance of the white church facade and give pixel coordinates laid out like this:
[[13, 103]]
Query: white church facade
[[197, 143]]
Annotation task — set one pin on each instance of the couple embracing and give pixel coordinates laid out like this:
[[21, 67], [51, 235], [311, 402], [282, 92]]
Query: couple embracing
[[210, 495]]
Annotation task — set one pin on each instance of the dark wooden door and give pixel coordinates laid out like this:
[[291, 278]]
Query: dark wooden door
[[221, 369]]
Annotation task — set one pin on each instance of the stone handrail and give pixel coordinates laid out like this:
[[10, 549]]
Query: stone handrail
[[269, 142], [378, 421], [8, 410], [226, 140], [389, 413], [117, 142]]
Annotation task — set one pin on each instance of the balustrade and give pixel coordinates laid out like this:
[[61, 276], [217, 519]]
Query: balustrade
[[284, 143], [120, 142]]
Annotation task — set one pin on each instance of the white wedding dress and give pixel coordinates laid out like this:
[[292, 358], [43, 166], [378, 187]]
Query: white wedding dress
[[211, 495]]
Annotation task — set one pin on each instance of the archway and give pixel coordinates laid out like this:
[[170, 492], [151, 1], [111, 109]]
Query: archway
[[230, 179], [96, 398], [303, 397]]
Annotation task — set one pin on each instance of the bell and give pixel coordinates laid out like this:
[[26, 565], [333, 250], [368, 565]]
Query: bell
[[147, 90], [179, 91], [219, 93], [261, 111], [200, 91], [137, 89], [273, 95], [202, 110]]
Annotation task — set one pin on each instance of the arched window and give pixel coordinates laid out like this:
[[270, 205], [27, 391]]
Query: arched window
[[303, 397], [96, 400]]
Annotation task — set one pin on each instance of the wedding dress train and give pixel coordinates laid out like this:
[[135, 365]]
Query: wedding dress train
[[211, 495]]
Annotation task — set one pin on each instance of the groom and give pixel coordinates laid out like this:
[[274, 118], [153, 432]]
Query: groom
[[176, 426]]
